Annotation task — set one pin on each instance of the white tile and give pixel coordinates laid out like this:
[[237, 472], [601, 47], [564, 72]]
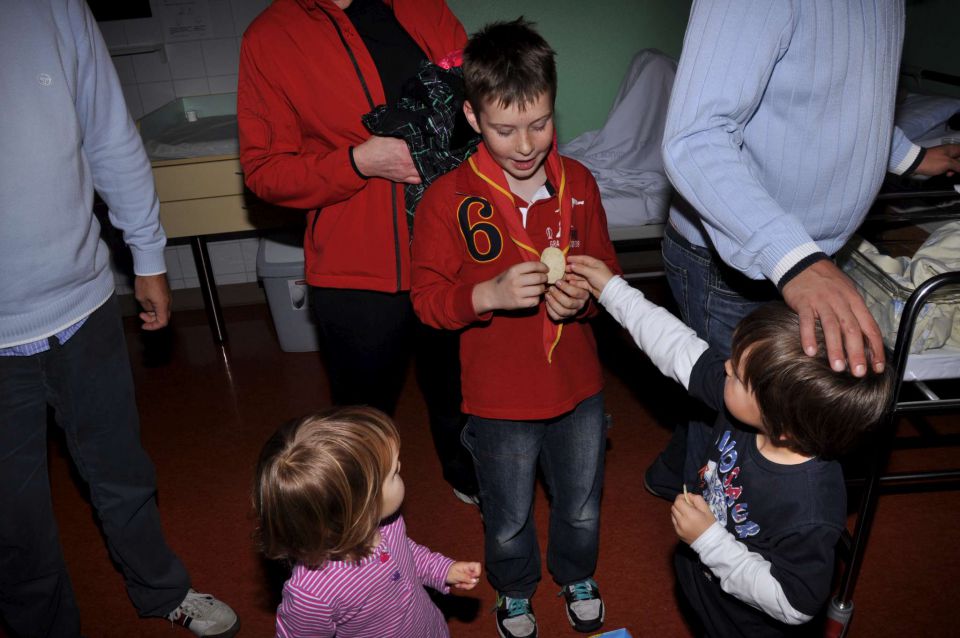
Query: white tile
[[221, 56], [150, 67], [173, 262], [244, 11], [131, 95], [143, 30], [187, 266], [156, 94], [222, 83], [191, 282], [249, 248], [221, 19], [230, 278], [193, 86], [185, 60], [124, 66], [225, 257], [113, 33], [177, 284]]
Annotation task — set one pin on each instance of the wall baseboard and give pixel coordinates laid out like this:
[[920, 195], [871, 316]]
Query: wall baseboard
[[245, 294]]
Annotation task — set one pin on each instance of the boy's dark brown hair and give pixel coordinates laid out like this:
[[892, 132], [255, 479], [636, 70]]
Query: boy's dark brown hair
[[317, 491], [508, 63], [820, 412]]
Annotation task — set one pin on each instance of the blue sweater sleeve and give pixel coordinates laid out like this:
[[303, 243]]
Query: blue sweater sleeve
[[121, 171], [729, 53]]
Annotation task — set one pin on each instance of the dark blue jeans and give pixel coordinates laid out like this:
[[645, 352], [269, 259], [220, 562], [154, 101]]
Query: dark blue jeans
[[88, 383], [569, 449], [713, 298]]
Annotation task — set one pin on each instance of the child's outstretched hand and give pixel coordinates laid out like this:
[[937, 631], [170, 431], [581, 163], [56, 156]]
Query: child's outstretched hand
[[690, 519], [463, 575], [594, 273]]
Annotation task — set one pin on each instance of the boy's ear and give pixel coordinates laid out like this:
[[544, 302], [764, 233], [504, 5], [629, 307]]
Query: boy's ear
[[471, 116]]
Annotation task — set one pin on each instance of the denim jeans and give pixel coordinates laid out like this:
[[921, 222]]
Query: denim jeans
[[569, 449], [88, 383], [713, 298]]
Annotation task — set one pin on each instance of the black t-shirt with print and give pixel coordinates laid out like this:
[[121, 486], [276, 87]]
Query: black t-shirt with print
[[792, 515]]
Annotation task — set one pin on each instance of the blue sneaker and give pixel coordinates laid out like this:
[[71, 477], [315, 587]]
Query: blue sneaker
[[585, 609], [515, 618]]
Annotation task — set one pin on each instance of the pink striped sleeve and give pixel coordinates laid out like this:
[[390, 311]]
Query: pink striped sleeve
[[432, 567], [302, 615]]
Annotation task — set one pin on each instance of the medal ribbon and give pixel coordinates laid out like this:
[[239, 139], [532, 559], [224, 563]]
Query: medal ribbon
[[503, 201]]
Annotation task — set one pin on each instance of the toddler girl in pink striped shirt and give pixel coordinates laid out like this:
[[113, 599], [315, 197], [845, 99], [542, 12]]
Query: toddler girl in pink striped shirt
[[328, 491]]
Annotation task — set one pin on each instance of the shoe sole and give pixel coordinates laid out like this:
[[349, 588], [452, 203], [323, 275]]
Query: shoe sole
[[229, 633]]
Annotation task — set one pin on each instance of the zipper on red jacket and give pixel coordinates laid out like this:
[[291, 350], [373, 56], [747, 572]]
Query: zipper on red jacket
[[393, 188]]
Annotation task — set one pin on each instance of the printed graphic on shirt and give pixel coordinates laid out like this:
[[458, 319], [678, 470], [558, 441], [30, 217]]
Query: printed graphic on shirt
[[482, 238], [721, 491]]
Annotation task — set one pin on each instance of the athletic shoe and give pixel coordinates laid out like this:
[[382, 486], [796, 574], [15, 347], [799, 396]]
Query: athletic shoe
[[585, 609], [467, 498], [205, 616], [515, 618]]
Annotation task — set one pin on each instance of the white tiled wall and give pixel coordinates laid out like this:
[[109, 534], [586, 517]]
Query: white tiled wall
[[186, 67]]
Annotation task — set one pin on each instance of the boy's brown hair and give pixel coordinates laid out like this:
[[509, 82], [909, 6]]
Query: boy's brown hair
[[318, 485], [820, 412], [508, 63]]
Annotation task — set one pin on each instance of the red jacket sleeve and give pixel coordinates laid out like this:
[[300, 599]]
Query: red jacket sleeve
[[439, 297]]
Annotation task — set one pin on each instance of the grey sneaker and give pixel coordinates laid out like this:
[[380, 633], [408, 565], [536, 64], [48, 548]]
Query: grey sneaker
[[585, 609], [515, 618], [205, 616], [467, 498]]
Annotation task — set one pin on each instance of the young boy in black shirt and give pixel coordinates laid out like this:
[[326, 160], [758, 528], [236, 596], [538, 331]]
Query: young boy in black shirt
[[768, 500]]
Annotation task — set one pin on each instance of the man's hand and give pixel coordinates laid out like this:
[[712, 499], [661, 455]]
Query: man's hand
[[821, 291], [519, 286], [386, 157], [940, 160], [565, 299], [594, 274], [153, 293], [691, 518], [463, 575]]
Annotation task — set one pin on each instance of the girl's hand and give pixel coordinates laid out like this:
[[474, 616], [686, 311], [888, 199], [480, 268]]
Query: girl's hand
[[594, 273], [463, 575], [692, 519]]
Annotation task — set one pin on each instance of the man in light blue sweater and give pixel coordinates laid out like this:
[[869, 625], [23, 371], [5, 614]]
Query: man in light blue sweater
[[778, 136], [65, 133]]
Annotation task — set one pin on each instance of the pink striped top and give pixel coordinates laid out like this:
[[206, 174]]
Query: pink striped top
[[381, 596]]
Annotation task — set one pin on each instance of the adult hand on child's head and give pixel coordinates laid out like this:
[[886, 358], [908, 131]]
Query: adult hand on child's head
[[565, 299], [822, 291], [692, 517], [463, 575], [519, 286], [591, 270]]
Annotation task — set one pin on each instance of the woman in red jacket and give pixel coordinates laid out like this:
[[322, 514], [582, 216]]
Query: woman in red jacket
[[309, 69]]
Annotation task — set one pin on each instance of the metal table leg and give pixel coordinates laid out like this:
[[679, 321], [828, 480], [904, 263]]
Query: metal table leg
[[208, 288]]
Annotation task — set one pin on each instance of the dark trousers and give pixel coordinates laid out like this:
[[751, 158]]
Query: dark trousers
[[367, 339], [713, 298], [88, 383]]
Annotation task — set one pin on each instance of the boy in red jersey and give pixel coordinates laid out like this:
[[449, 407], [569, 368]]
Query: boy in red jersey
[[532, 384]]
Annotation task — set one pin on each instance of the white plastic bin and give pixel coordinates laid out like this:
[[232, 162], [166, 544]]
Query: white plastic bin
[[280, 267]]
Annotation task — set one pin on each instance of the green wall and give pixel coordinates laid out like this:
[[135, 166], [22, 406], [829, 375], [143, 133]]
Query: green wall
[[594, 41], [932, 41]]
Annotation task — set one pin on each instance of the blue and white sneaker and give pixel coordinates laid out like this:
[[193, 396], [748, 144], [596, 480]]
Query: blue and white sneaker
[[585, 609], [515, 618]]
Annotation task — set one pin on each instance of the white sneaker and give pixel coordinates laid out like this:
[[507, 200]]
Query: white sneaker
[[205, 616], [467, 498]]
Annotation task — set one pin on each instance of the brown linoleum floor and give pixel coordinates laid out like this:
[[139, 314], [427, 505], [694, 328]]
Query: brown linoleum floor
[[206, 411]]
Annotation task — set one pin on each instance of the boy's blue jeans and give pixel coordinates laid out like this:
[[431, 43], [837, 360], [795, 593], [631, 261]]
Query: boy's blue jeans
[[569, 449]]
